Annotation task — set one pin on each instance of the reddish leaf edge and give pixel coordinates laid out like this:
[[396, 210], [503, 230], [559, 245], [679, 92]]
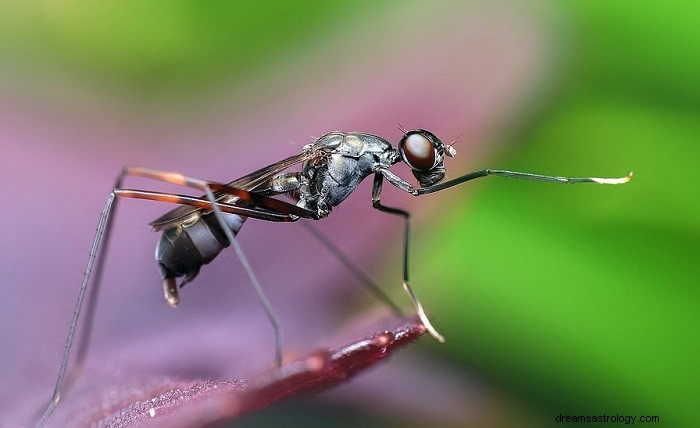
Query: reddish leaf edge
[[205, 403]]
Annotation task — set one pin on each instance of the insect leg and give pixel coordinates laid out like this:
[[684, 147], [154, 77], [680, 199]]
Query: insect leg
[[352, 267], [407, 187], [204, 203], [251, 276], [376, 203], [102, 234], [521, 176]]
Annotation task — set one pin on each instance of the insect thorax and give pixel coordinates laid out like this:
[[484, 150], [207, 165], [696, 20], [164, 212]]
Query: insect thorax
[[340, 162]]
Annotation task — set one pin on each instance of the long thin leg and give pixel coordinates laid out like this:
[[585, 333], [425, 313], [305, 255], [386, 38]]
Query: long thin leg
[[102, 226], [376, 203], [407, 187], [251, 276], [352, 267], [524, 176], [204, 204], [100, 243]]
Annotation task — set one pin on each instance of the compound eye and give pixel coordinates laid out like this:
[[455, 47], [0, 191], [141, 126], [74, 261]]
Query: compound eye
[[418, 151]]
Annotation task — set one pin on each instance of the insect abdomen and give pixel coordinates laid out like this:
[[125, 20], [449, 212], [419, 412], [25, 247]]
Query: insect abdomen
[[183, 250]]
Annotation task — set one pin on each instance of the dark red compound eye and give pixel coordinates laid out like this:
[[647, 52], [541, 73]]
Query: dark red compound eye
[[418, 151]]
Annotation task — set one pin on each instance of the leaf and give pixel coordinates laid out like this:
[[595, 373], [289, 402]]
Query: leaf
[[194, 403]]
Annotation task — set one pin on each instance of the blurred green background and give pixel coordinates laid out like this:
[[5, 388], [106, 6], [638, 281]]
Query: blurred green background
[[612, 320], [580, 300]]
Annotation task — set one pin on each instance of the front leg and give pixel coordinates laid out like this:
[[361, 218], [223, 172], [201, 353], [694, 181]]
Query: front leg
[[376, 203], [407, 187]]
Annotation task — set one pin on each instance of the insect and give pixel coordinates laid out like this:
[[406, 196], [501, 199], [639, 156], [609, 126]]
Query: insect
[[195, 232]]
